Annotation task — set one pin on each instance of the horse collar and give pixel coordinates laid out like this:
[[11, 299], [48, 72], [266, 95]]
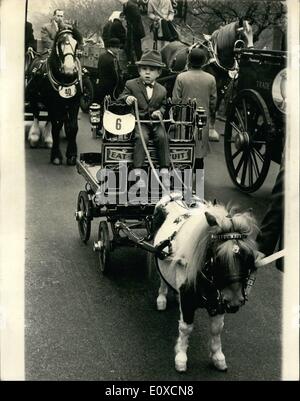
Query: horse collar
[[54, 82]]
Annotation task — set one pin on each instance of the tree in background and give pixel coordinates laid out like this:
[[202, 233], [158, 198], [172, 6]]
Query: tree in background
[[262, 14]]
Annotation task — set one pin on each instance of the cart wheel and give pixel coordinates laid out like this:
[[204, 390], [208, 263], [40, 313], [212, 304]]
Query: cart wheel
[[83, 216], [246, 143], [87, 96], [103, 247]]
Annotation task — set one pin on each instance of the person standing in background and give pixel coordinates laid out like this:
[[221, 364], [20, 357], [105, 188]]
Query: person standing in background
[[200, 85], [114, 29], [50, 29], [161, 12], [135, 30]]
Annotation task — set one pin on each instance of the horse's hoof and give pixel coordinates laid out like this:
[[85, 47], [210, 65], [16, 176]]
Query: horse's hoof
[[33, 141], [33, 144], [214, 136], [56, 161], [71, 161], [219, 364], [181, 368], [161, 302], [48, 144], [180, 363]]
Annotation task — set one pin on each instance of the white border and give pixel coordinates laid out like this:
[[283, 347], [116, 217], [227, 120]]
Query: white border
[[290, 321], [12, 197], [12, 190]]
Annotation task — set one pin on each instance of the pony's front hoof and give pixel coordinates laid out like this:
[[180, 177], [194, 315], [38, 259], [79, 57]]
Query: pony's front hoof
[[71, 161], [56, 161], [219, 364], [161, 302], [181, 362]]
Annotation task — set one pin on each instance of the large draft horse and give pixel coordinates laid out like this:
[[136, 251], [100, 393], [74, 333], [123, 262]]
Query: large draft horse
[[55, 81], [219, 48], [209, 262]]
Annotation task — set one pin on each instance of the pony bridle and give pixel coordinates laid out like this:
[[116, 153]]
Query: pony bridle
[[54, 82], [60, 53], [210, 264]]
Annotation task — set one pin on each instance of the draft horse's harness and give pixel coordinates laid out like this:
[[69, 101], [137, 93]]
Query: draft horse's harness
[[42, 62], [56, 84]]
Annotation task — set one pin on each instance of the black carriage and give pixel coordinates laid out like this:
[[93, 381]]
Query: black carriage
[[255, 125], [108, 199]]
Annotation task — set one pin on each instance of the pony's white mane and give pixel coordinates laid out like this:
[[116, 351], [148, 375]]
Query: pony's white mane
[[192, 238]]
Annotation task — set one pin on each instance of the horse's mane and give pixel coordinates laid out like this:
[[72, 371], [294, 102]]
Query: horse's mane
[[225, 36], [193, 238], [224, 39]]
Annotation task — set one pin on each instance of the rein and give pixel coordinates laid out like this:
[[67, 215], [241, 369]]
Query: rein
[[149, 156], [145, 146]]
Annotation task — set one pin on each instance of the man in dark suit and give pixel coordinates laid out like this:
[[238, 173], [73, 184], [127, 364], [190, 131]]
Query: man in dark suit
[[135, 30], [49, 30], [151, 100]]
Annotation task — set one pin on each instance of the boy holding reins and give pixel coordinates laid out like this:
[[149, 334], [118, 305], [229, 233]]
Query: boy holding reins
[[151, 102]]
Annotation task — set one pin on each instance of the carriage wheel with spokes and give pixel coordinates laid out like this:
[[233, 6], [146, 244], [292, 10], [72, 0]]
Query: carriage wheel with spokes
[[83, 216], [246, 143], [103, 247], [87, 96]]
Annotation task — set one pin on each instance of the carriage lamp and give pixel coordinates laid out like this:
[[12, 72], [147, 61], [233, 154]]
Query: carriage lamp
[[94, 114], [201, 117]]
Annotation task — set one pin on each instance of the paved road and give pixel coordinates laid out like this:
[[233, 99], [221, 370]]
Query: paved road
[[83, 326]]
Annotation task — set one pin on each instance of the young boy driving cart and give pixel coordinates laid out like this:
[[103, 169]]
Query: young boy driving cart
[[151, 102]]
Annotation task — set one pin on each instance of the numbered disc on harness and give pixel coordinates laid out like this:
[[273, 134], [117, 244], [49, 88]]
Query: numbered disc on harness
[[118, 124]]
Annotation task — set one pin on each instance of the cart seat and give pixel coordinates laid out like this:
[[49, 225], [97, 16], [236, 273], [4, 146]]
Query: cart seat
[[119, 121]]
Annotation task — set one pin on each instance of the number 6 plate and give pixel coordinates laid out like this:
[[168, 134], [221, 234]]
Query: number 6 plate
[[67, 91], [118, 124]]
